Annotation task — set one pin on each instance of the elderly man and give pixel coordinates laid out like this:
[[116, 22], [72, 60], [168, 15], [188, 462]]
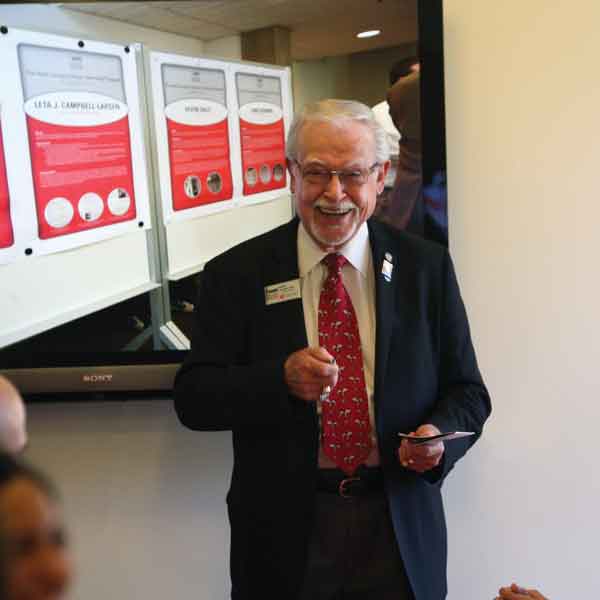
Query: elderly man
[[13, 435], [317, 343]]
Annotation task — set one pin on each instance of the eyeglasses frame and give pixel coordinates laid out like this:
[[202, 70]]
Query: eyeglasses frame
[[339, 173]]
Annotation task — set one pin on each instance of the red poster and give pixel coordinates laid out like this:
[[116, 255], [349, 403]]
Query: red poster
[[198, 153], [263, 152], [6, 232], [81, 162]]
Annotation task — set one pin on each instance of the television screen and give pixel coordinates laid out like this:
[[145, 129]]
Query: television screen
[[98, 292]]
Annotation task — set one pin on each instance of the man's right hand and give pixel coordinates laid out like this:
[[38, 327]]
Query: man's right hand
[[309, 371]]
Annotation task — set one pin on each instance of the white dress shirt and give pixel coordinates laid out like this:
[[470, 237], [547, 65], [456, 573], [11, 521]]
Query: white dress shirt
[[359, 280]]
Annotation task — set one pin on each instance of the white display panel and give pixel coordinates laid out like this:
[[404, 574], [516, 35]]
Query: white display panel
[[192, 243], [54, 289], [70, 109]]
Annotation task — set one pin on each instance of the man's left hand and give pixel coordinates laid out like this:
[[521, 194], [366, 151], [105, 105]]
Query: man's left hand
[[421, 457]]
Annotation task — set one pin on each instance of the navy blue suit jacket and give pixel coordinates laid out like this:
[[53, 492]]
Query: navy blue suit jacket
[[233, 379]]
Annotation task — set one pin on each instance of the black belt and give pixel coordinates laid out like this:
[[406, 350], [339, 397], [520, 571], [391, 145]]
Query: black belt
[[365, 480]]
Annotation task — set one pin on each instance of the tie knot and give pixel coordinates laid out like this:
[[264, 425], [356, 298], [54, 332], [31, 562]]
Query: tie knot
[[335, 262]]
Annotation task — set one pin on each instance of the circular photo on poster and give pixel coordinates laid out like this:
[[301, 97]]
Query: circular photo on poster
[[214, 182], [59, 212], [251, 176], [90, 206], [192, 186], [265, 173], [119, 202], [278, 172]]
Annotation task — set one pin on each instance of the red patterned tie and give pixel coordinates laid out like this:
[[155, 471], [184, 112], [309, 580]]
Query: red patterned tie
[[345, 425]]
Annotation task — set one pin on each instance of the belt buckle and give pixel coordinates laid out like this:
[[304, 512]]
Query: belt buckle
[[342, 487]]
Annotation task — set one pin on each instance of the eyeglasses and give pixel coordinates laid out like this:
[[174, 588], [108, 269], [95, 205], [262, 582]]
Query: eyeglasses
[[321, 177]]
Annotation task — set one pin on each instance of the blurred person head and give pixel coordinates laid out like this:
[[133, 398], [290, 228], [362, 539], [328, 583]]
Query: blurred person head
[[13, 434], [34, 560], [403, 67], [338, 157], [405, 108]]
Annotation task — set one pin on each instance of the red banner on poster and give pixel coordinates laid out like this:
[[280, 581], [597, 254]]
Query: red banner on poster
[[6, 231], [81, 162], [200, 165], [263, 156]]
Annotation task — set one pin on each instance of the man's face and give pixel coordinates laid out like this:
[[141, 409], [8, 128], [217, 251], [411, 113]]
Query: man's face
[[332, 212]]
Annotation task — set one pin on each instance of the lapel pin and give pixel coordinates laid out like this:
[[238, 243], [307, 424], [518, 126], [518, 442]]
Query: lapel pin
[[387, 267]]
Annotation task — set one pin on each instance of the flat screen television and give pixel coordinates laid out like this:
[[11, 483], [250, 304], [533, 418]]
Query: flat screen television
[[114, 351]]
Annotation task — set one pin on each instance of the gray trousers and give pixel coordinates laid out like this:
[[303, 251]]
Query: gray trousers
[[353, 553]]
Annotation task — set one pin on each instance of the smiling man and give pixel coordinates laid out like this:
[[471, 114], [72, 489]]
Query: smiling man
[[317, 343]]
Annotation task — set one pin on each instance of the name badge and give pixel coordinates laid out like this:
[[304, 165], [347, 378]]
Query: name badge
[[282, 292]]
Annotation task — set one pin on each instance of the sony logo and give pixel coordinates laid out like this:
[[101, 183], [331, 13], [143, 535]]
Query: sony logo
[[98, 378]]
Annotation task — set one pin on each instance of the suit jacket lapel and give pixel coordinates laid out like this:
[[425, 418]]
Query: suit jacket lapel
[[385, 300], [281, 264], [286, 319]]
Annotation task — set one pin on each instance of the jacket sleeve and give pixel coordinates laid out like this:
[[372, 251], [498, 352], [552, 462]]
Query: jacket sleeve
[[464, 403], [220, 386]]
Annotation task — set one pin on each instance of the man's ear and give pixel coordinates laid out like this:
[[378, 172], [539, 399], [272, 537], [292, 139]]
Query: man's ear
[[290, 167], [381, 174]]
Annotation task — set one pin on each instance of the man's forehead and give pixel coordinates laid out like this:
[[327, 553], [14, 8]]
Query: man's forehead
[[348, 139], [331, 128], [346, 165]]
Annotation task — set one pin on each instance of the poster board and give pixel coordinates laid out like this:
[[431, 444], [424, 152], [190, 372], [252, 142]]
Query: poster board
[[70, 109], [76, 180], [264, 110], [241, 113], [193, 125]]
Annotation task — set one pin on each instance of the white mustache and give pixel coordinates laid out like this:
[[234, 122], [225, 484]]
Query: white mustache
[[338, 207]]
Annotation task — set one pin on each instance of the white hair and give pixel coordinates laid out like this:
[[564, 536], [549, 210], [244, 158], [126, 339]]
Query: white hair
[[338, 111]]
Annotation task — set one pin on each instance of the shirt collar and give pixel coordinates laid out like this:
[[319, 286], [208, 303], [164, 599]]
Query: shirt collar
[[356, 250]]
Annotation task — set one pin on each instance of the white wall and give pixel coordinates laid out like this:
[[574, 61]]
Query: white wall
[[145, 497], [523, 126], [316, 79], [229, 47]]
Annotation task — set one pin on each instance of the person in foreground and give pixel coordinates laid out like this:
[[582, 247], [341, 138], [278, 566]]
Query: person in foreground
[[516, 592], [34, 561], [317, 343]]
